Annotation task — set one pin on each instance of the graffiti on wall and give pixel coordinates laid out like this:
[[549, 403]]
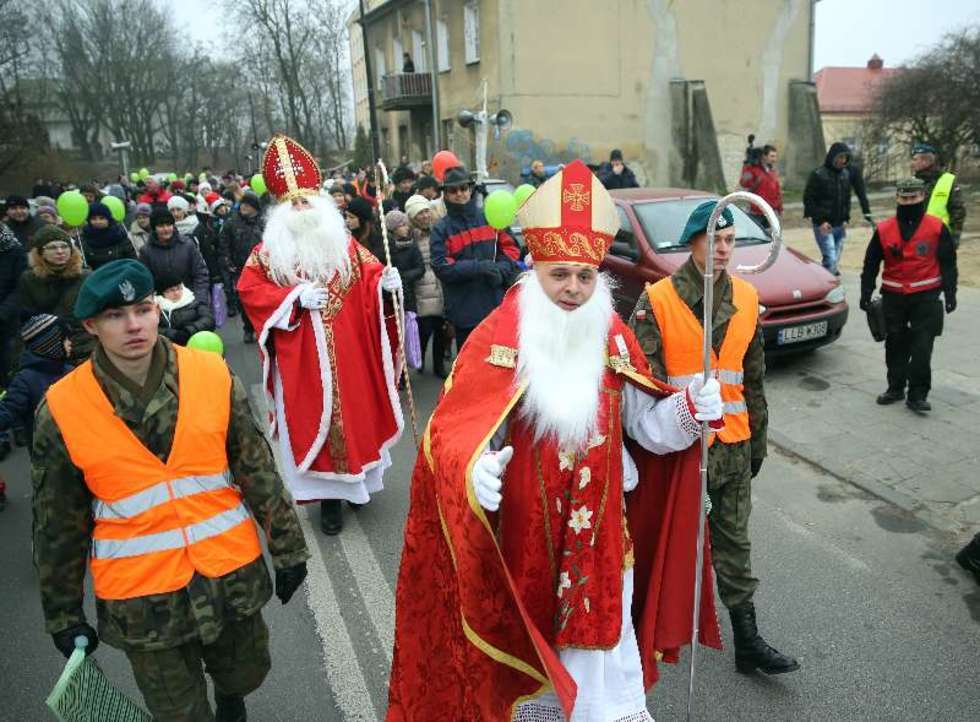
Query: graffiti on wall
[[511, 154]]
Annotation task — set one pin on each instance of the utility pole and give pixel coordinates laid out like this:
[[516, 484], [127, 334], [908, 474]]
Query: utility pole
[[370, 86], [434, 73]]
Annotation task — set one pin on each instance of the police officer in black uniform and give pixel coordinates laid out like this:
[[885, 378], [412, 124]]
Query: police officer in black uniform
[[920, 263]]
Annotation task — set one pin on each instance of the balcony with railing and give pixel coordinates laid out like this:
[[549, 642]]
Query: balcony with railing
[[403, 91]]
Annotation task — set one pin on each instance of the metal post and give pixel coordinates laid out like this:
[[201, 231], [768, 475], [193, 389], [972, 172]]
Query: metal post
[[370, 85], [434, 74], [480, 128], [775, 231]]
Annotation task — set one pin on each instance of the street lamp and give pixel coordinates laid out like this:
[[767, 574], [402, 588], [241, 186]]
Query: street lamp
[[122, 146]]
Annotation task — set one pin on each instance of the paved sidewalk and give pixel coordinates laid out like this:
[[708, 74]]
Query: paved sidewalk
[[822, 409]]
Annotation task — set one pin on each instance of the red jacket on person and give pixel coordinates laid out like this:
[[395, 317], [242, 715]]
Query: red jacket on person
[[764, 182], [158, 199]]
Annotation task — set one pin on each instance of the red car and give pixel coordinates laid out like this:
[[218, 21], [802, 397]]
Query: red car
[[802, 305]]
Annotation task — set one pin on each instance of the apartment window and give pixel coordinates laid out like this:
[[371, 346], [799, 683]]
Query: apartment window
[[379, 66], [442, 45], [471, 32], [399, 54], [420, 53]]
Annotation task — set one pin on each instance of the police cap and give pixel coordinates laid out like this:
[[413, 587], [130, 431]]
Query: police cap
[[119, 283]]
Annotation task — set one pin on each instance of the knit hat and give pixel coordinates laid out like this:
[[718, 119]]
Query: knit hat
[[395, 220], [161, 217], [44, 336], [144, 209], [362, 209], [697, 223], [177, 185], [49, 211], [216, 203], [178, 203], [99, 209], [426, 181], [15, 201], [49, 233], [250, 199], [204, 188], [616, 154], [44, 202], [164, 280], [114, 189], [415, 205], [117, 283]]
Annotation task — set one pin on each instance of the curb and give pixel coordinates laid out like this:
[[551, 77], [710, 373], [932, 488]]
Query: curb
[[904, 502]]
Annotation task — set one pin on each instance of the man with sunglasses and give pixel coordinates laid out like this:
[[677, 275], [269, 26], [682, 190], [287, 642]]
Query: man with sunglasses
[[475, 262]]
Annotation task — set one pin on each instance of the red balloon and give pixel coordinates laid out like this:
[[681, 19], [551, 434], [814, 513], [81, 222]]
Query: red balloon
[[443, 161]]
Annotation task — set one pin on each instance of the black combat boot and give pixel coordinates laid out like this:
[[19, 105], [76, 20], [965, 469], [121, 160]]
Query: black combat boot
[[751, 650], [331, 516], [229, 709], [969, 557], [891, 396], [919, 406]]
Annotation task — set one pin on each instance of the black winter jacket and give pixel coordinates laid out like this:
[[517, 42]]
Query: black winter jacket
[[182, 323], [475, 262], [206, 237], [25, 231], [179, 258], [26, 389], [827, 197], [13, 261], [408, 260], [102, 245], [239, 235], [612, 181]]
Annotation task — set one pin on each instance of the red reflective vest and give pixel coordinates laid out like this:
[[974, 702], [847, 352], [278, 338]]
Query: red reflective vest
[[911, 266]]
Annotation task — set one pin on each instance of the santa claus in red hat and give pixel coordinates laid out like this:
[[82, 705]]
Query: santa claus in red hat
[[317, 300]]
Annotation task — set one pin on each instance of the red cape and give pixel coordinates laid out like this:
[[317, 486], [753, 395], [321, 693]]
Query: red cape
[[465, 647], [339, 395]]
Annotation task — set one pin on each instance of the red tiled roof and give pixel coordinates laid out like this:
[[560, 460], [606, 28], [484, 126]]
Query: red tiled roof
[[849, 90]]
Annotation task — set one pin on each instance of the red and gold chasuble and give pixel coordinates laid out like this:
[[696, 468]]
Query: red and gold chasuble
[[336, 366], [485, 601]]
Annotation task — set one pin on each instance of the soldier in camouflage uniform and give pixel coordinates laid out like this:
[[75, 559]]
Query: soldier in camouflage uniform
[[925, 166], [216, 621], [731, 466]]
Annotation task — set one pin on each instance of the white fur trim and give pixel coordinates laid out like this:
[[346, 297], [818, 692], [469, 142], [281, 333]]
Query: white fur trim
[[275, 319]]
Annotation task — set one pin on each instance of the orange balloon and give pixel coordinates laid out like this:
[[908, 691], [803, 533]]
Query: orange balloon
[[443, 161]]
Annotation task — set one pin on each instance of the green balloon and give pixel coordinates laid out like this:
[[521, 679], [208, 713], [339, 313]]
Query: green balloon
[[522, 193], [144, 173], [258, 184], [116, 207], [499, 208], [134, 176], [207, 341], [72, 207], [171, 177]]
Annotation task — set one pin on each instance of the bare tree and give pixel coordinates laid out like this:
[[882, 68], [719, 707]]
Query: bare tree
[[21, 96], [935, 99]]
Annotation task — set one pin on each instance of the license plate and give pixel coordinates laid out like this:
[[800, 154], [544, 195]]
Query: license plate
[[795, 334]]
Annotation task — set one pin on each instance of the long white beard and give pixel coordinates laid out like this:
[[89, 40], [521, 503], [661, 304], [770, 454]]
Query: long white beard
[[307, 245], [562, 358]]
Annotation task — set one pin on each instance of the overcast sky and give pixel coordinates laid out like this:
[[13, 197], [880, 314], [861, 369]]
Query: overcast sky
[[848, 32]]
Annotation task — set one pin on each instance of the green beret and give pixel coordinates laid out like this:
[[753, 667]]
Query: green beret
[[924, 148], [49, 233], [119, 283], [910, 186], [698, 221]]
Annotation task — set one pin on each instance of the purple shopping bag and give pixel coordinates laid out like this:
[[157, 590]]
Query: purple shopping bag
[[413, 345], [219, 306]]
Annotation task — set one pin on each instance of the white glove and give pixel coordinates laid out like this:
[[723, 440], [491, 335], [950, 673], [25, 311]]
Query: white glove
[[313, 298], [487, 471], [391, 280], [706, 398], [631, 475]]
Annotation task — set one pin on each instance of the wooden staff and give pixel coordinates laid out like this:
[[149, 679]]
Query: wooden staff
[[399, 302]]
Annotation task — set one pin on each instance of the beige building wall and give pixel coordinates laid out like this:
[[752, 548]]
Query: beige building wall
[[583, 77], [881, 165]]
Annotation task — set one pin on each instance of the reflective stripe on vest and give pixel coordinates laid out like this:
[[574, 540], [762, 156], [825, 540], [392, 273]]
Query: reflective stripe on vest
[[681, 336], [158, 523], [939, 200], [911, 266]]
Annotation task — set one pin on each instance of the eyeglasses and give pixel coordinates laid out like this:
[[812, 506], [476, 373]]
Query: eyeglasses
[[56, 247]]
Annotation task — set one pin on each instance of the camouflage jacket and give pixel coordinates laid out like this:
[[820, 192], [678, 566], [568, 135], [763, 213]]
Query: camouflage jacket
[[63, 518], [954, 206], [726, 460]]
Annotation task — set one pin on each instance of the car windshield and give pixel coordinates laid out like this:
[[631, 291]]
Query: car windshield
[[663, 222]]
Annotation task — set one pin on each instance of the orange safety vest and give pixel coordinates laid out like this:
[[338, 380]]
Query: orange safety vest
[[157, 523], [683, 336]]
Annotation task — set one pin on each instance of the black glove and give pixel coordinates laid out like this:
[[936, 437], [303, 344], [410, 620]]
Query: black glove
[[950, 304], [65, 639], [288, 581], [756, 465], [865, 302]]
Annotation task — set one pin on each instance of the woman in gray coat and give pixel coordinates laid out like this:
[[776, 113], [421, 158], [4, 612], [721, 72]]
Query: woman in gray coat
[[428, 289]]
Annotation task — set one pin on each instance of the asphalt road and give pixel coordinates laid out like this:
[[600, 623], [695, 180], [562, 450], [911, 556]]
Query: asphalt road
[[885, 625]]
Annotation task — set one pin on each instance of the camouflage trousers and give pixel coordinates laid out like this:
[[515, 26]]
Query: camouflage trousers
[[730, 490], [172, 680]]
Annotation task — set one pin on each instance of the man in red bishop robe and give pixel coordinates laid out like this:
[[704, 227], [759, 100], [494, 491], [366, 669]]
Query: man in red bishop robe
[[549, 554], [316, 299]]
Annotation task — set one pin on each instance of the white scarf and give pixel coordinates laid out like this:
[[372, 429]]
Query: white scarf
[[167, 307]]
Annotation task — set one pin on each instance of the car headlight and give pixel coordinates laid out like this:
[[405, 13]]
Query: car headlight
[[836, 295]]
